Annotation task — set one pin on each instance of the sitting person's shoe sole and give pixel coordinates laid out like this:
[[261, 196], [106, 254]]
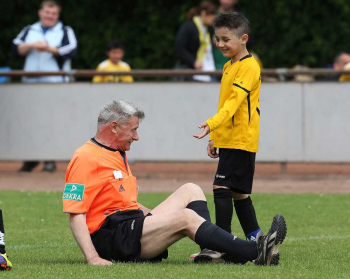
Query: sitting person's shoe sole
[[209, 256]]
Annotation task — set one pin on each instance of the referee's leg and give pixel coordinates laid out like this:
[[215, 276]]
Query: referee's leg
[[161, 231]]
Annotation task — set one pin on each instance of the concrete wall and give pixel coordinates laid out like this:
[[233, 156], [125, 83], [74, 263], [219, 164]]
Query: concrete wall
[[299, 122]]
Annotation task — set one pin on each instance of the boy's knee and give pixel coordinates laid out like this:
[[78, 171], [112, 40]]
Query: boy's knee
[[239, 196]]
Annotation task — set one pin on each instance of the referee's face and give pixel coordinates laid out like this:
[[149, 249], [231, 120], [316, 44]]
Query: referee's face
[[126, 134]]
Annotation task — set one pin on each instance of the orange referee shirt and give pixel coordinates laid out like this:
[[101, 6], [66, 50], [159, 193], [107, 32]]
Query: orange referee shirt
[[92, 186]]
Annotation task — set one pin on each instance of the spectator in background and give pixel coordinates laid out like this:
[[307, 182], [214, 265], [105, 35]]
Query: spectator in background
[[302, 78], [47, 45], [114, 63], [342, 62], [193, 44], [228, 6]]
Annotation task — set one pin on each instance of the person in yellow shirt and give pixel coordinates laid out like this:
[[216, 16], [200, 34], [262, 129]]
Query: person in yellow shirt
[[345, 77], [114, 63], [234, 130]]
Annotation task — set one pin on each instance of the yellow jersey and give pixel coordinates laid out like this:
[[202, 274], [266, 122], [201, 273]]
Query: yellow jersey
[[108, 66], [236, 125], [345, 77]]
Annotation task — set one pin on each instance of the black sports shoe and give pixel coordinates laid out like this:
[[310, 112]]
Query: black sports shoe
[[49, 166], [268, 245], [28, 166], [274, 226]]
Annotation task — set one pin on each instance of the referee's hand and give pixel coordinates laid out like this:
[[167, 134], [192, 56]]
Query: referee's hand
[[211, 150], [99, 261], [205, 132]]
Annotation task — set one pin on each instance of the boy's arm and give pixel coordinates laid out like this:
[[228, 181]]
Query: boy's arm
[[211, 136], [242, 85]]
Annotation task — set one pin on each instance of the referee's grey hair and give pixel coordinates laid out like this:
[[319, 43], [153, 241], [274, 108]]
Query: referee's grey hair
[[119, 111]]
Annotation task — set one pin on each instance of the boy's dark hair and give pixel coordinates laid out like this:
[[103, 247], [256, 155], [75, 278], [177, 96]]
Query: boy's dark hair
[[236, 22], [114, 44]]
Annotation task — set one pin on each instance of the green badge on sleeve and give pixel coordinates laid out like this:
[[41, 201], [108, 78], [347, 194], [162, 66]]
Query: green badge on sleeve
[[74, 192]]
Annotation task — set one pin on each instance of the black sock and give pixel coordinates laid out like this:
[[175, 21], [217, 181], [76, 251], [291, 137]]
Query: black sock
[[214, 238], [223, 208], [246, 216], [201, 208], [2, 233]]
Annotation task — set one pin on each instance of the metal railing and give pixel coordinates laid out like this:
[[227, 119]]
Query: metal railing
[[280, 72]]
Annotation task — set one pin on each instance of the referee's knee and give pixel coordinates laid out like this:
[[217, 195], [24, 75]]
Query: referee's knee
[[194, 190]]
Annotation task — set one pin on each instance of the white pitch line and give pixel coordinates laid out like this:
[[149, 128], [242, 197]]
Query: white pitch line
[[41, 245], [70, 244], [329, 237]]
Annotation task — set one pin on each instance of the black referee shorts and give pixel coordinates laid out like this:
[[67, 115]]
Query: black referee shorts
[[118, 239], [235, 170]]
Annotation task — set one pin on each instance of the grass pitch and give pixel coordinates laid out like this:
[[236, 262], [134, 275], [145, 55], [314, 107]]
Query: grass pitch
[[40, 244]]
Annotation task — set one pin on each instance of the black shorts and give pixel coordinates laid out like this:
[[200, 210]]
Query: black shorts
[[235, 170], [119, 237]]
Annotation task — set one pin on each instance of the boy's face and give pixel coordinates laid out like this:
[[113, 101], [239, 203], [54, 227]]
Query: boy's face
[[228, 42], [115, 55]]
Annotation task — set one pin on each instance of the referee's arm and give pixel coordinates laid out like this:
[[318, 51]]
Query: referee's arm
[[77, 223], [144, 209]]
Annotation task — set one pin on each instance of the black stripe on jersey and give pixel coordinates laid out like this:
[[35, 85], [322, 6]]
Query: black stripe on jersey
[[245, 57], [246, 90], [248, 100], [258, 110]]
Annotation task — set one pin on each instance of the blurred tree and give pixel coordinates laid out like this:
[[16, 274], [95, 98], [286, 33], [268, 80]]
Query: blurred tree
[[286, 32]]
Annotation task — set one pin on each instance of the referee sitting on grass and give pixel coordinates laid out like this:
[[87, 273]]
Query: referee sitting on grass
[[110, 225]]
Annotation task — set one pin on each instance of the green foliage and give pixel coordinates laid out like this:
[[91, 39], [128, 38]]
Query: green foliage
[[294, 32], [286, 32], [40, 243]]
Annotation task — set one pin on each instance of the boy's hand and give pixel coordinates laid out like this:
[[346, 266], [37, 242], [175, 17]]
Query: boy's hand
[[211, 150], [205, 132]]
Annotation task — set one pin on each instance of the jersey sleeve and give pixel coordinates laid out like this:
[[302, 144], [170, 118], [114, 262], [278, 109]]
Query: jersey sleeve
[[244, 82], [82, 185], [69, 44], [20, 39]]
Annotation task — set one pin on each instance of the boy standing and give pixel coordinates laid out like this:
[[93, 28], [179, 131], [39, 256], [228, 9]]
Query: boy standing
[[234, 129], [115, 53]]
